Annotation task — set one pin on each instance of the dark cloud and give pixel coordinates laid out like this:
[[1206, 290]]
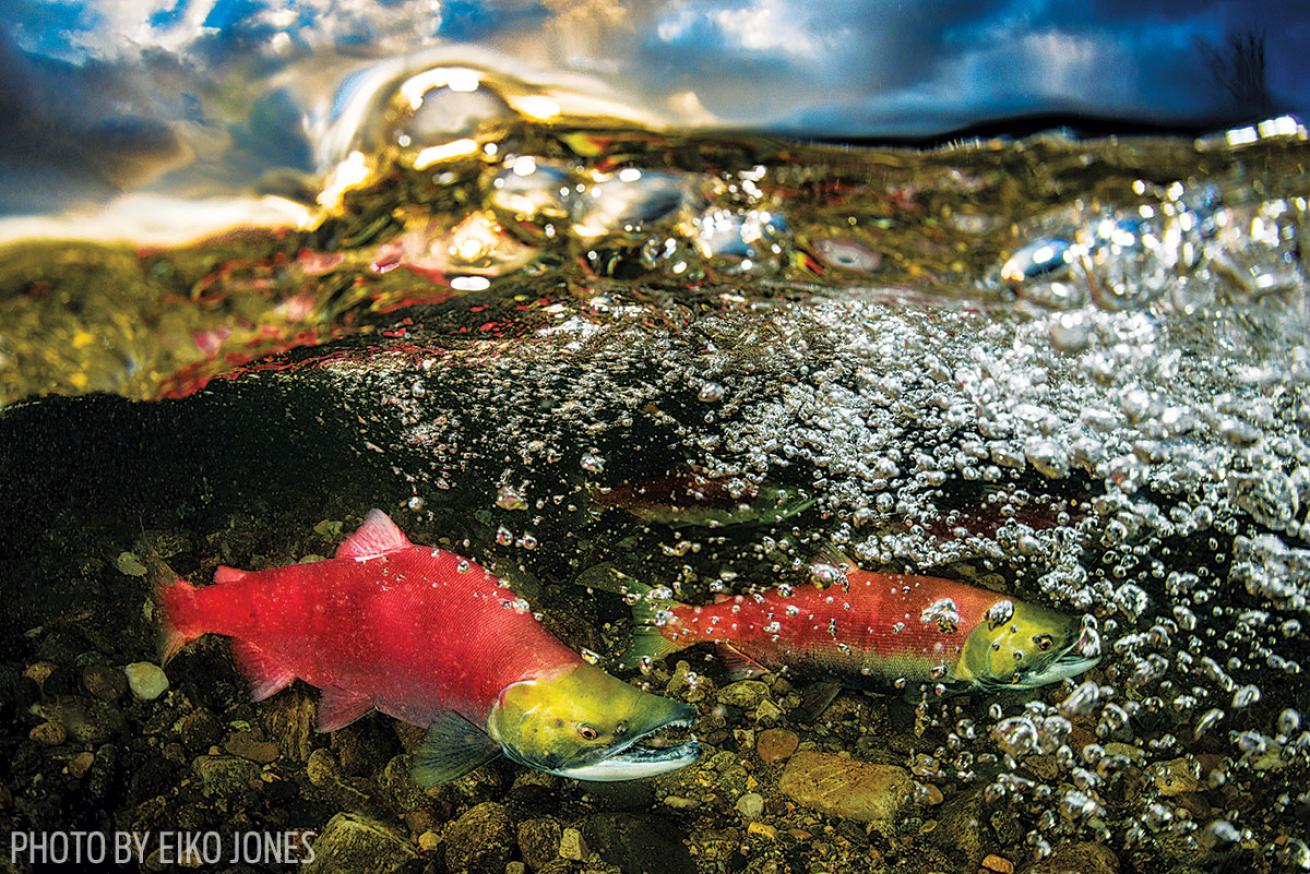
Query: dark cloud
[[108, 92]]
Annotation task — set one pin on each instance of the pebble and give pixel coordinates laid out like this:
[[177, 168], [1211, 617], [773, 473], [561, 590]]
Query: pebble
[[146, 679], [248, 746], [321, 767], [929, 794], [480, 841], [199, 730], [79, 764], [1174, 777], [744, 694], [225, 776], [847, 788], [104, 682], [350, 842], [539, 840], [1084, 858], [428, 841], [767, 711], [763, 830], [751, 805], [48, 733], [677, 802], [776, 744], [998, 864], [39, 672], [571, 845], [129, 565]]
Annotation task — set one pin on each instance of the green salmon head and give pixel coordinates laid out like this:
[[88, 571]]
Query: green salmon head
[[1023, 646], [580, 722]]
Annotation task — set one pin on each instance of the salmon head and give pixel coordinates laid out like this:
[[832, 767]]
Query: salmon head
[[1023, 646], [582, 723]]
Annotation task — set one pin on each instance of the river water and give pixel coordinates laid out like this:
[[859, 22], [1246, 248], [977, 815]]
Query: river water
[[1074, 371]]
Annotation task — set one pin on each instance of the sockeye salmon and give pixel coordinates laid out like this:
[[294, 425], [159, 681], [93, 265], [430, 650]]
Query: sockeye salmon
[[431, 638], [873, 628]]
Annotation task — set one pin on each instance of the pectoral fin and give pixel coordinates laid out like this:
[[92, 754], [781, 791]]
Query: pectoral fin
[[453, 747], [740, 666], [337, 708], [816, 697]]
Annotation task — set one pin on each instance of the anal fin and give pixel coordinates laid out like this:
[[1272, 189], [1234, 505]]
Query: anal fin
[[265, 675], [740, 666], [337, 708], [453, 747]]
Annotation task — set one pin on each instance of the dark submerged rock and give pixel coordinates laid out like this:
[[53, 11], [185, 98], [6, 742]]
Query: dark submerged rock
[[638, 843], [350, 842], [480, 841]]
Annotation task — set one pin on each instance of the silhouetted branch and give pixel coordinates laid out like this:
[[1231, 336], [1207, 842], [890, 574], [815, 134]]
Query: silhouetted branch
[[1239, 69]]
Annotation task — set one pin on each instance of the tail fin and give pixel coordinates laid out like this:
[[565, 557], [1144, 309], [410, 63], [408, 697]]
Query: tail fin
[[175, 602], [650, 613]]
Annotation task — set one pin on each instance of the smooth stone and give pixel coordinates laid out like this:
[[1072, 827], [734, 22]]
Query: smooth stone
[[104, 682], [129, 565], [225, 776], [48, 733], [571, 845], [1081, 858], [539, 840], [776, 744], [146, 679], [1174, 777], [480, 841], [744, 694], [847, 788], [246, 745], [350, 842], [751, 805]]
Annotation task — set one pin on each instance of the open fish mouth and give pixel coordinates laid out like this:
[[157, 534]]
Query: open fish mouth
[[1079, 657], [646, 755]]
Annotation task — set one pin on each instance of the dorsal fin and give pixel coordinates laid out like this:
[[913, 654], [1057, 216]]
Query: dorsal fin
[[377, 536], [225, 574]]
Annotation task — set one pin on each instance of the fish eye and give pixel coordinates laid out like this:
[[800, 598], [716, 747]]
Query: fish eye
[[1044, 642], [588, 732]]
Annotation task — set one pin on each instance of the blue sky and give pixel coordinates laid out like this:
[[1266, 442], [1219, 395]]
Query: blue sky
[[121, 85]]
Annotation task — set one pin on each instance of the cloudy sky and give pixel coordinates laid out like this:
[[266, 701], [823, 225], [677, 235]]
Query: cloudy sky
[[103, 95]]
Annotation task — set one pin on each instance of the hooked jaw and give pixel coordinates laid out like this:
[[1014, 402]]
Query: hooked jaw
[[642, 756], [1081, 656], [584, 724]]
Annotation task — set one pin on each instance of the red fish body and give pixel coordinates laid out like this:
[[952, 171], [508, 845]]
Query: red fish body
[[886, 625], [432, 638], [874, 627], [412, 632]]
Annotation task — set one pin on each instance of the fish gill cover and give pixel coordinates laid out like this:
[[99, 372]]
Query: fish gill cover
[[604, 297]]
